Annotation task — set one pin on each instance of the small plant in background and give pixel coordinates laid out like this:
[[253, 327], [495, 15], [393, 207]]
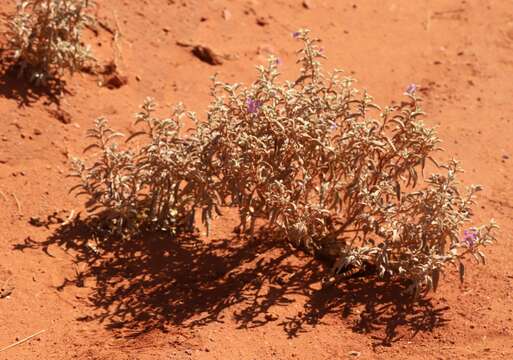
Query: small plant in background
[[330, 171], [45, 36]]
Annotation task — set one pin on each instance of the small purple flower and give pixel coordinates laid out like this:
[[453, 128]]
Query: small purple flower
[[278, 61], [411, 89], [469, 237], [333, 127], [253, 105], [321, 50], [296, 34]]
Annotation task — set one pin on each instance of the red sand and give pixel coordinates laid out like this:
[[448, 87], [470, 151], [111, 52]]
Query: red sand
[[243, 301]]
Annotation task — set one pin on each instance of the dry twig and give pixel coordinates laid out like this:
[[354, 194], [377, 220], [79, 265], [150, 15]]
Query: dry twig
[[18, 205], [22, 340]]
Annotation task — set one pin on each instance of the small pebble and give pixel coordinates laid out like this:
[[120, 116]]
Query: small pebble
[[262, 21], [307, 4], [227, 15]]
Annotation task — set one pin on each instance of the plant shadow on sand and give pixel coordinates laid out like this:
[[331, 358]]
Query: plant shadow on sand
[[158, 282], [25, 93]]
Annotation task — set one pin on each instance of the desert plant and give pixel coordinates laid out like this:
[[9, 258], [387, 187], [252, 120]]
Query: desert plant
[[45, 36], [329, 170], [159, 186]]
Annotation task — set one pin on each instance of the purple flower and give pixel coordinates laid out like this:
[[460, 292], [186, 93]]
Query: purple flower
[[469, 237], [278, 61], [333, 127], [296, 34], [411, 89], [253, 105]]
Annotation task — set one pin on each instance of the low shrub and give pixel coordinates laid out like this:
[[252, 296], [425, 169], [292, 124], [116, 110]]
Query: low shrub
[[330, 172], [46, 37]]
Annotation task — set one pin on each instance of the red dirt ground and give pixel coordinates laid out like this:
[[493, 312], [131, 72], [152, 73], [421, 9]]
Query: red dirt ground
[[234, 300]]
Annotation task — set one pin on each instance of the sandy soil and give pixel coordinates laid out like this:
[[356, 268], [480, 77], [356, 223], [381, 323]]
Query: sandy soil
[[225, 298]]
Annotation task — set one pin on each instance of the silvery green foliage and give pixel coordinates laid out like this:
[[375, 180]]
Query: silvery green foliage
[[158, 186], [45, 36], [329, 170]]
